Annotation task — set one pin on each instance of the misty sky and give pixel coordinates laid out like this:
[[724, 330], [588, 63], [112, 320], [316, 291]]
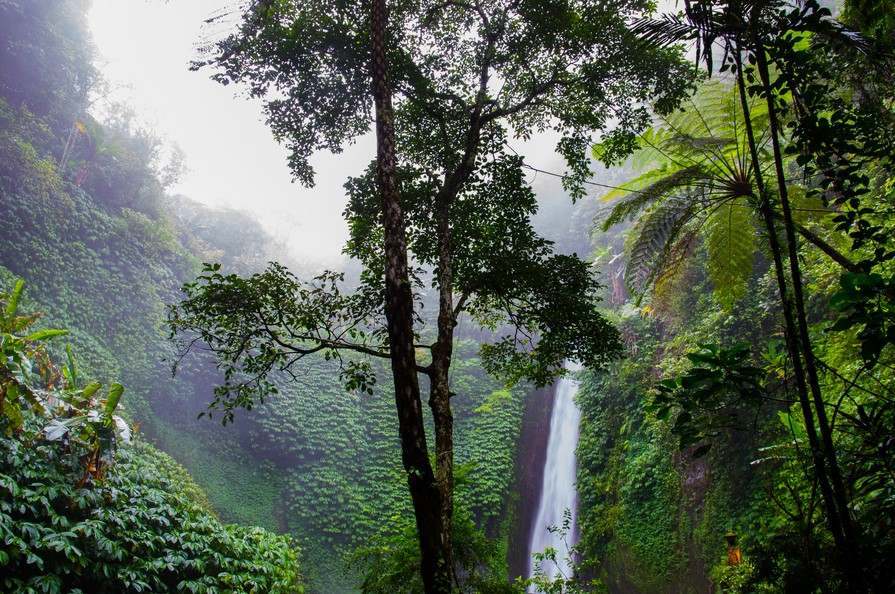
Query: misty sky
[[233, 161], [145, 48]]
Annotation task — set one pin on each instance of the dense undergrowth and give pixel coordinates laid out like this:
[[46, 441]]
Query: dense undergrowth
[[85, 508], [654, 515]]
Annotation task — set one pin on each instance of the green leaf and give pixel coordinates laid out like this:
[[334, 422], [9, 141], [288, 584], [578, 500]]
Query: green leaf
[[730, 246], [115, 392], [56, 430], [90, 389], [45, 334], [654, 235], [12, 305]]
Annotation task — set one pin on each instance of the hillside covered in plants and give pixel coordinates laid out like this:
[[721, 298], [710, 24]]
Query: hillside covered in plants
[[103, 248], [218, 417]]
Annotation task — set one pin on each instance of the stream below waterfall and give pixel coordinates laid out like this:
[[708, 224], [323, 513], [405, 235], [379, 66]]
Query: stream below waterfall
[[558, 492]]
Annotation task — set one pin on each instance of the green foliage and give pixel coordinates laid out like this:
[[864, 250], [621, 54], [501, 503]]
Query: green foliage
[[340, 454], [25, 164], [391, 566], [734, 579], [83, 510], [654, 240], [867, 301], [695, 178], [46, 65], [830, 120], [730, 244], [560, 583], [710, 395], [265, 325], [647, 511], [576, 64], [484, 439], [629, 491]]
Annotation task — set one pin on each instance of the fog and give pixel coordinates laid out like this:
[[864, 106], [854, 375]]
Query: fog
[[145, 47], [233, 161]]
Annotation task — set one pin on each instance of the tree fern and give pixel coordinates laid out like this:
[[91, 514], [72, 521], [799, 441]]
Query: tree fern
[[697, 153], [652, 239], [730, 248], [638, 199], [695, 166]]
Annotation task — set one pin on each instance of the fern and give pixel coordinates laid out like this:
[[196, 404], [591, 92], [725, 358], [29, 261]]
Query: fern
[[668, 285], [695, 166], [730, 247], [639, 199], [653, 238]]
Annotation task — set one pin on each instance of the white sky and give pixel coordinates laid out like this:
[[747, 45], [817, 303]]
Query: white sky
[[145, 47]]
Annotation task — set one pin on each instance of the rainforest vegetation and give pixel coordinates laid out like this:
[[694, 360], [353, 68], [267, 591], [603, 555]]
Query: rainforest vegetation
[[719, 259]]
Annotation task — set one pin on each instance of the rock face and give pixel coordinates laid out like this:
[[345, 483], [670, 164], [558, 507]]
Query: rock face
[[530, 458]]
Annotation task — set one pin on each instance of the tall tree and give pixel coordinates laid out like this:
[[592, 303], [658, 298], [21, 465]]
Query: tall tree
[[465, 76], [428, 499]]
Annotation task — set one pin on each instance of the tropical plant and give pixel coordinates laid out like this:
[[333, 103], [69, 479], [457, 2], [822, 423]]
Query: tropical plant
[[711, 395], [25, 166], [697, 181], [82, 509]]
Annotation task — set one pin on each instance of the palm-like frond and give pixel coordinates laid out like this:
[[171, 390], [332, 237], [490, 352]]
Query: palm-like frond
[[647, 190], [730, 247], [669, 284], [653, 238], [667, 30], [697, 167], [705, 22]]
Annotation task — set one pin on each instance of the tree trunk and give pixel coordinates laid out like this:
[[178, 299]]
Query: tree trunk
[[790, 333], [827, 454], [424, 491], [440, 395]]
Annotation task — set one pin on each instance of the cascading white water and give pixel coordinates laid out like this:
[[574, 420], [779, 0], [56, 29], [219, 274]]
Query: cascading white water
[[558, 487]]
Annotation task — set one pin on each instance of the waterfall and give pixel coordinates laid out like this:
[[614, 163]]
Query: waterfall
[[558, 486]]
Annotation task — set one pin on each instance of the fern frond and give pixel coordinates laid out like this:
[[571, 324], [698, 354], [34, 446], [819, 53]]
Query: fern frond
[[708, 112], [668, 30], [647, 190], [670, 283], [649, 153], [697, 148], [652, 239], [652, 149], [730, 247]]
